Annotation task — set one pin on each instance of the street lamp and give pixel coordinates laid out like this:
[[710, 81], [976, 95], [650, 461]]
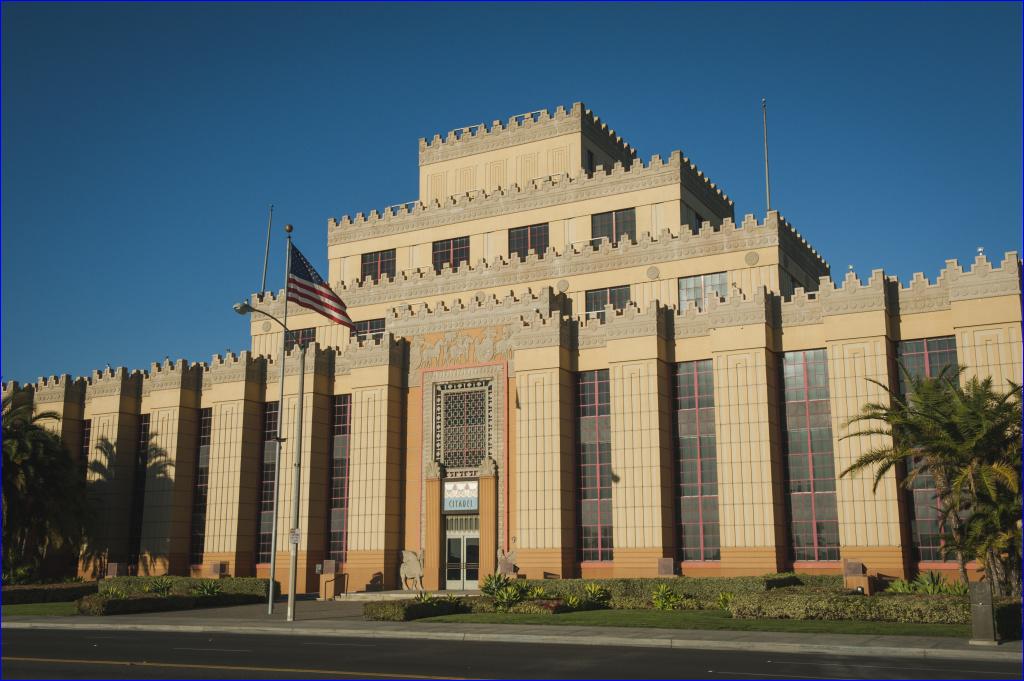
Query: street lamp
[[244, 308]]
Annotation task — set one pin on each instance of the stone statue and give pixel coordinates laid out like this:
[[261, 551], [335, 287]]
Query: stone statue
[[507, 562], [411, 571]]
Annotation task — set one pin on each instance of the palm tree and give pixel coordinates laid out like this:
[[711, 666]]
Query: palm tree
[[43, 493], [968, 439]]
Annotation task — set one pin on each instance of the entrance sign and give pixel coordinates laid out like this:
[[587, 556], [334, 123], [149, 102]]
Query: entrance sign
[[461, 495]]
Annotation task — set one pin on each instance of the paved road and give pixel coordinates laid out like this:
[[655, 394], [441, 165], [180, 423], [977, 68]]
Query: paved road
[[100, 654]]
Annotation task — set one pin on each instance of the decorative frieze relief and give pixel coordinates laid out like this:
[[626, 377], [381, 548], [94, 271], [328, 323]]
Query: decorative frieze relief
[[233, 368], [63, 388], [388, 351], [180, 375], [117, 381]]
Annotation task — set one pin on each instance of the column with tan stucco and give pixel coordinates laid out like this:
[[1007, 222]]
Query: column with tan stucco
[[375, 376], [642, 475], [233, 388], [112, 403], [856, 329], [749, 443], [544, 501], [433, 547], [170, 395]]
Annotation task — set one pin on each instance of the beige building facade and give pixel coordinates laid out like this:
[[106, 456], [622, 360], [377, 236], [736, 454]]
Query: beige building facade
[[565, 355]]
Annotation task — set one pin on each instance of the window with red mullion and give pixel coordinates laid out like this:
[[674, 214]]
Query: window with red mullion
[[593, 448], [374, 265], [338, 489], [697, 461], [454, 252], [926, 357], [810, 465]]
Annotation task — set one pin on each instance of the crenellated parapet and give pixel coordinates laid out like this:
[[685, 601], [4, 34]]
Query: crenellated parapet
[[630, 322], [168, 375], [536, 194], [853, 296], [117, 381], [521, 129], [650, 249], [232, 368], [476, 311], [982, 280], [387, 350], [62, 388], [738, 309]]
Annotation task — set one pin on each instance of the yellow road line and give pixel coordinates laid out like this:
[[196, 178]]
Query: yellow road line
[[226, 667]]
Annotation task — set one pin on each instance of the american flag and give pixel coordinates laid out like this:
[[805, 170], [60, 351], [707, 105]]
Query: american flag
[[308, 289]]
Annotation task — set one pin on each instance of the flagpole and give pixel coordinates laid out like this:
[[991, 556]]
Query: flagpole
[[266, 252], [280, 422], [767, 184]]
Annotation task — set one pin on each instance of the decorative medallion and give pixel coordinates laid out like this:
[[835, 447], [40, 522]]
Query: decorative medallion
[[653, 272], [751, 258]]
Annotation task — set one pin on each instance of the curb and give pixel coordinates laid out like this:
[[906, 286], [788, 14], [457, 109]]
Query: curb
[[986, 655]]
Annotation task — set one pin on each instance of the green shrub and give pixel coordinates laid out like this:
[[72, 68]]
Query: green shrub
[[506, 597], [937, 609], [494, 583], [900, 586], [46, 593], [537, 593], [930, 582], [105, 604], [207, 587], [184, 586], [574, 602], [161, 586], [596, 594], [405, 610], [113, 592], [696, 592], [664, 598], [725, 599], [540, 606], [424, 598]]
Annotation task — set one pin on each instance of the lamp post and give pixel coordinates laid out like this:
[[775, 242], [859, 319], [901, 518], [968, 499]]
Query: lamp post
[[244, 308]]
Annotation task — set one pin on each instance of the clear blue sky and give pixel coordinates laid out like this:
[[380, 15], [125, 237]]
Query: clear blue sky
[[142, 144]]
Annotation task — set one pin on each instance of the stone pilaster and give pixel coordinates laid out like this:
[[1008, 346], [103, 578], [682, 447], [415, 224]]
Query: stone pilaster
[[233, 387], [643, 519], [112, 403], [170, 395], [545, 468]]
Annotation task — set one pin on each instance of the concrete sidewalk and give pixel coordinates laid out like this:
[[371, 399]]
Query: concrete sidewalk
[[344, 619]]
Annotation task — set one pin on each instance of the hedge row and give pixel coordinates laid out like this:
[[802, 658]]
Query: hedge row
[[909, 608], [405, 610], [1007, 612], [100, 604], [701, 592], [47, 593], [184, 586]]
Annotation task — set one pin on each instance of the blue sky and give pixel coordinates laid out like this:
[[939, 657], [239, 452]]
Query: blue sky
[[142, 144]]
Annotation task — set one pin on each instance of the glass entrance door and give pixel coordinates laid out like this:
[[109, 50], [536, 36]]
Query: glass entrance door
[[462, 553]]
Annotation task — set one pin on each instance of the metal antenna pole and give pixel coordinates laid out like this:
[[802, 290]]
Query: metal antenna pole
[[280, 424], [767, 183], [293, 536], [266, 253]]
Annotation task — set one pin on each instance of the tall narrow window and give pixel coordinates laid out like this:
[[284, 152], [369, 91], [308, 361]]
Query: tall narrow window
[[301, 337], [594, 460], [590, 162], [200, 489], [927, 357], [138, 493], [597, 299], [337, 510], [452, 252], [369, 328], [265, 516], [615, 225], [522, 240], [83, 449], [698, 463], [811, 476], [378, 264], [702, 288]]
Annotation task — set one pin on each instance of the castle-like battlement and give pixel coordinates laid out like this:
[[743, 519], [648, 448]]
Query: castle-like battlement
[[521, 128], [886, 292], [648, 250], [549, 191]]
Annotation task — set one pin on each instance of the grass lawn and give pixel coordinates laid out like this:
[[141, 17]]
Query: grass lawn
[[66, 608], [709, 619]]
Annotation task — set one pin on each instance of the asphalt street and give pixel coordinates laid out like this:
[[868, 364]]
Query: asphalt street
[[104, 654]]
